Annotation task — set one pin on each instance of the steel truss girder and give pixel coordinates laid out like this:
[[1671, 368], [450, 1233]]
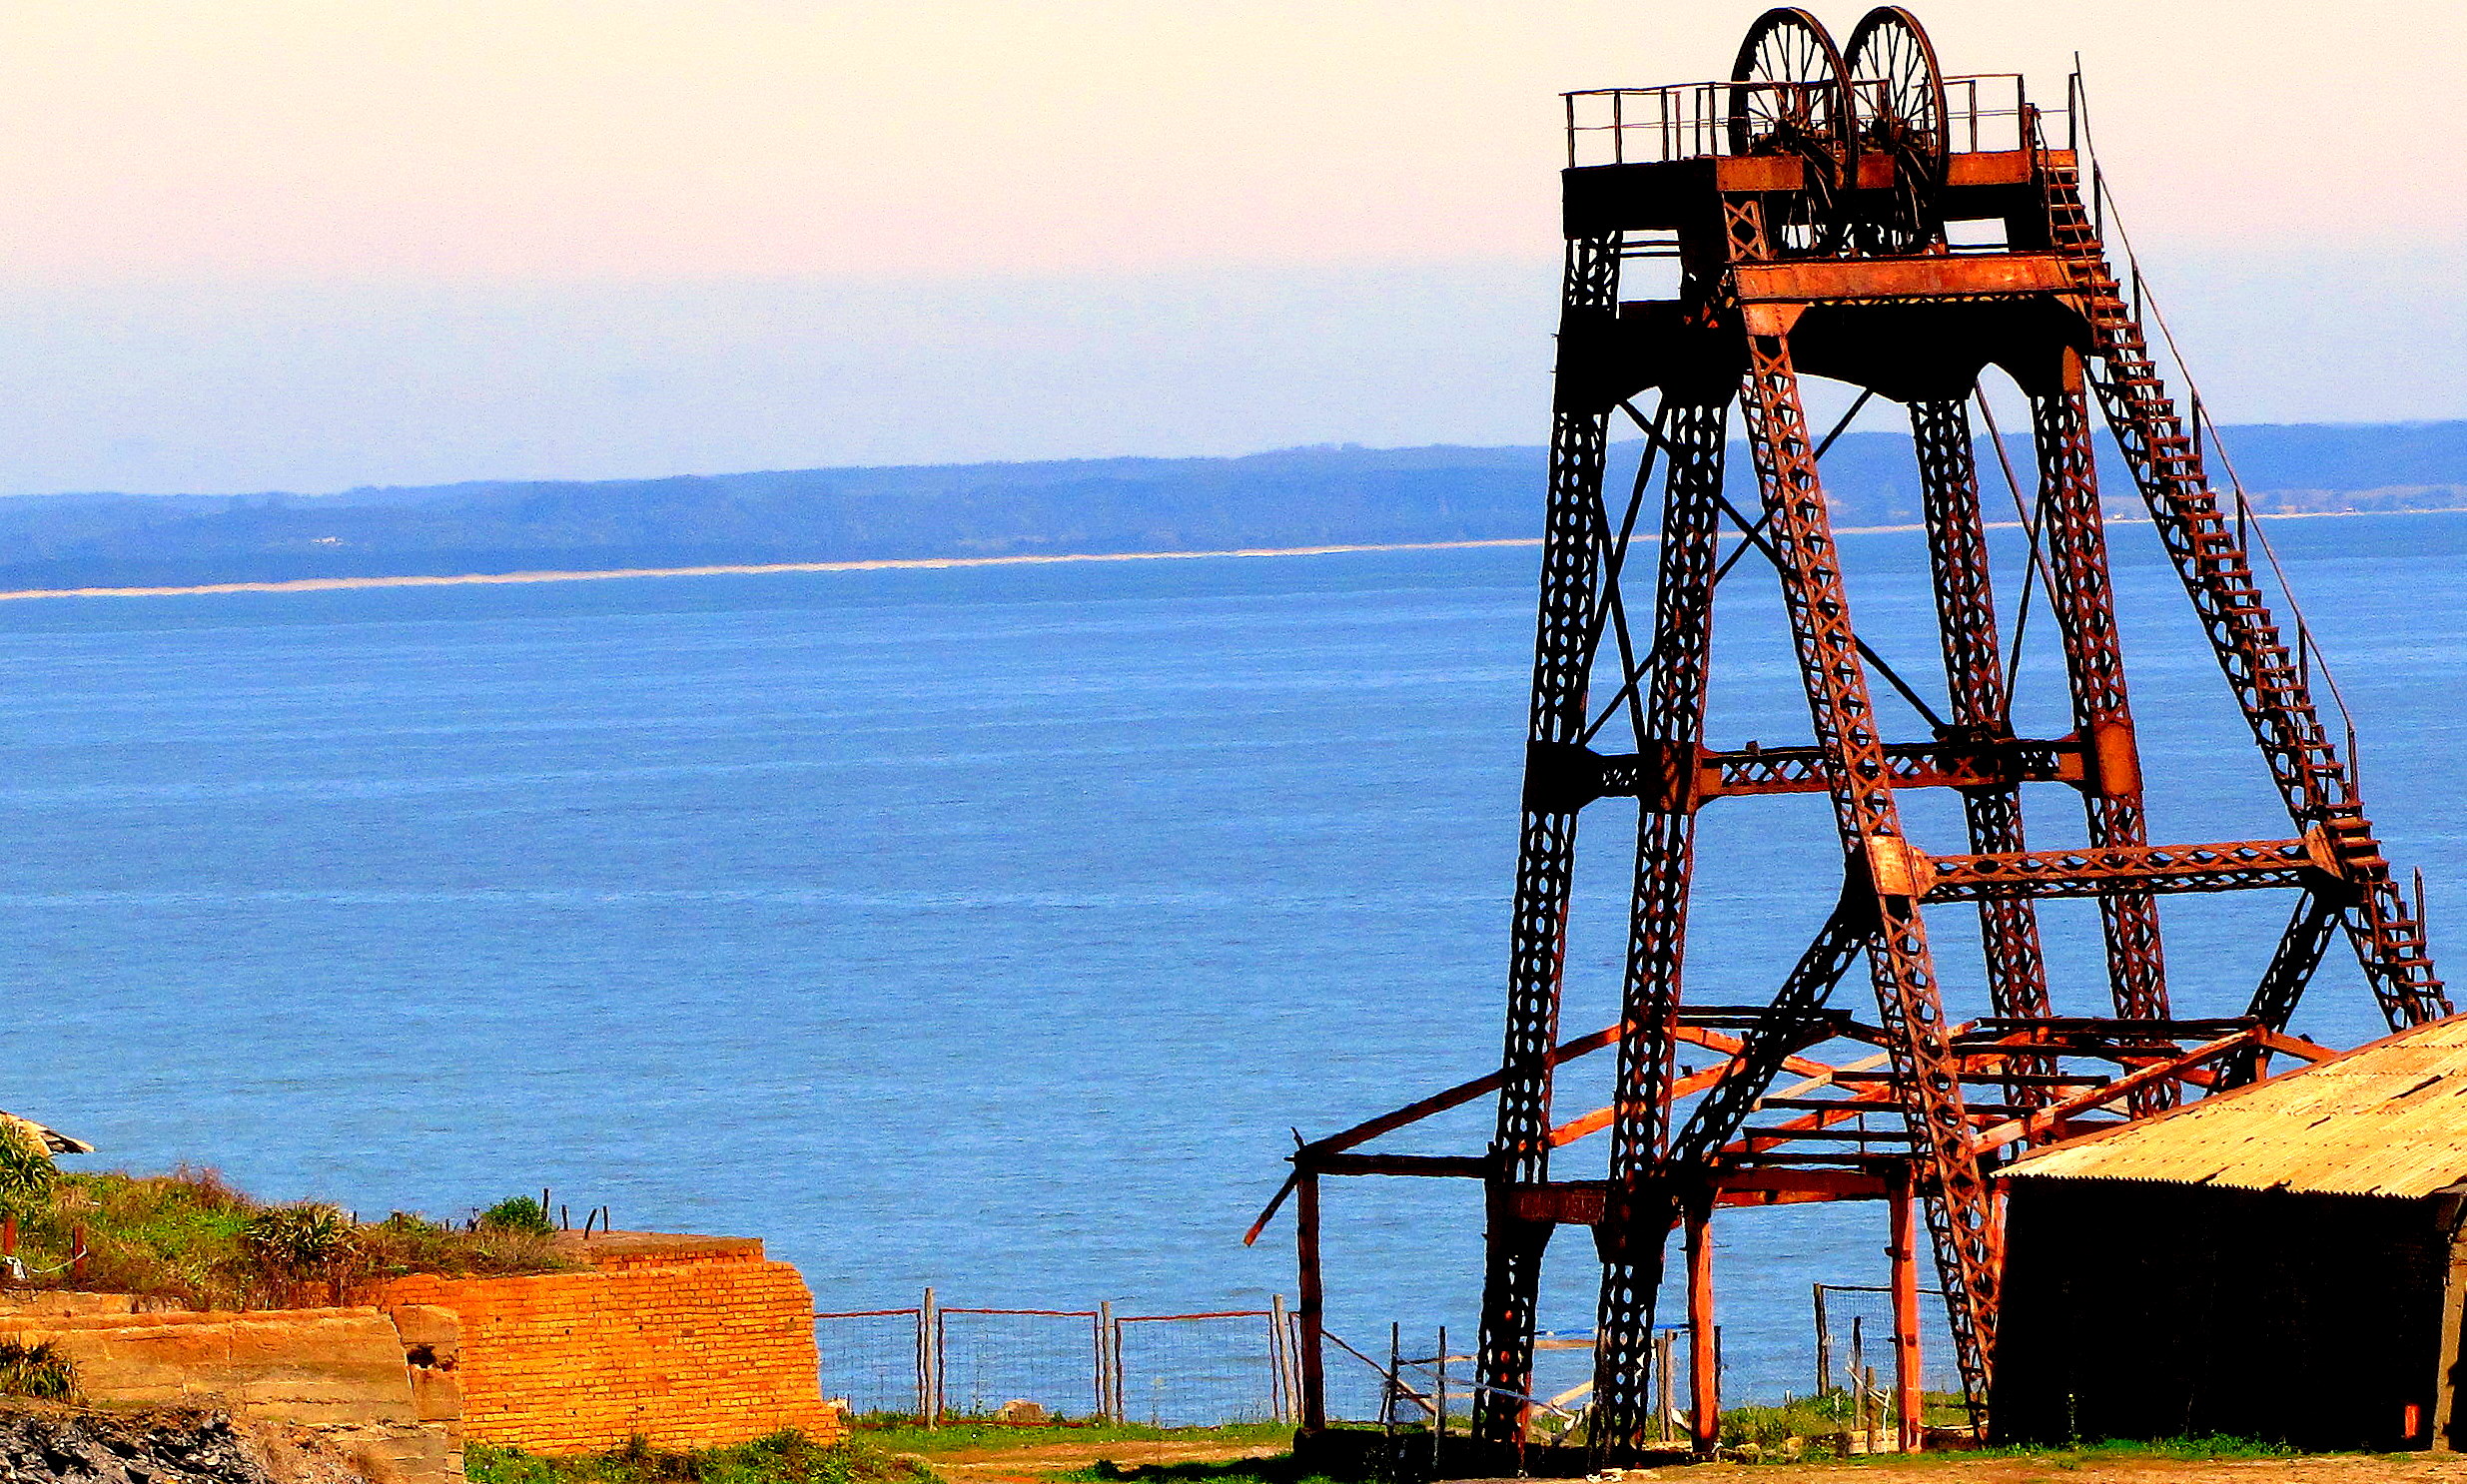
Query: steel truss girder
[[1961, 1215], [1981, 697], [2081, 598], [1672, 778], [2123, 869], [1567, 630], [1674, 717]]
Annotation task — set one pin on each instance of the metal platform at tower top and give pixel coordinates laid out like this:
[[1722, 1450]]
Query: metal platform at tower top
[[1851, 213]]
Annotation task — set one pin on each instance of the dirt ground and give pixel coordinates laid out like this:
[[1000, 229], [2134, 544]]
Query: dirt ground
[[1030, 1464], [1954, 1470]]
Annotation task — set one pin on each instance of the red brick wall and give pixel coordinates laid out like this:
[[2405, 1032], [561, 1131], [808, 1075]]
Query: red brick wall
[[690, 1343]]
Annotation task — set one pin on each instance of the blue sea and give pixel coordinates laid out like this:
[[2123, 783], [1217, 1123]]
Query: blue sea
[[990, 929]]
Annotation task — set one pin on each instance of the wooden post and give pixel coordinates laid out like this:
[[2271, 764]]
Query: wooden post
[[1906, 1380], [1306, 1268], [929, 1330], [77, 1253], [1438, 1413], [1280, 1377], [1661, 1387], [1704, 1361], [1107, 1360], [2446, 1421], [1824, 1347]]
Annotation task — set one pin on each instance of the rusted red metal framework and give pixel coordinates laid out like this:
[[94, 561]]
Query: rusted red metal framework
[[1809, 201]]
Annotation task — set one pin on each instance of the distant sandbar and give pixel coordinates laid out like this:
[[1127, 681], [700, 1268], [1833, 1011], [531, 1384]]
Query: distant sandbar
[[326, 585]]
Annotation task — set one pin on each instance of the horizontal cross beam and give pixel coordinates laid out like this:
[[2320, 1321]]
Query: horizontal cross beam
[[1672, 778], [2227, 866]]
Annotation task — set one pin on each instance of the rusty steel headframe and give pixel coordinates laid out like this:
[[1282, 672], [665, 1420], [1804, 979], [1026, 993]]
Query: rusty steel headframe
[[1806, 201]]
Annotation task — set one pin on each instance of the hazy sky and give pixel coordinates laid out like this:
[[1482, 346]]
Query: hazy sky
[[248, 243]]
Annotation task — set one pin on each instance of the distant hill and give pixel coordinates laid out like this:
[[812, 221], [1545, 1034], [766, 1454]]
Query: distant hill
[[1338, 495]]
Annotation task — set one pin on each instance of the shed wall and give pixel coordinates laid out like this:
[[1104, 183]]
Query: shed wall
[[2135, 1311]]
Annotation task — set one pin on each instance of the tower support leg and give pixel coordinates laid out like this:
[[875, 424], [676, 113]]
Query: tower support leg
[[1704, 1335], [1961, 1218], [1908, 1383], [1566, 631], [2084, 602], [1637, 1223], [1980, 697]]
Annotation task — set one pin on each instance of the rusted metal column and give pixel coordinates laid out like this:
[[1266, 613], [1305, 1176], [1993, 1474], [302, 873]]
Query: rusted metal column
[[1979, 690], [1636, 1223], [1566, 632], [2082, 598], [1704, 1346], [1309, 1296], [1907, 1380], [1960, 1218]]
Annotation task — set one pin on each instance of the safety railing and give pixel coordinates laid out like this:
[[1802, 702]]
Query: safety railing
[[1985, 111]]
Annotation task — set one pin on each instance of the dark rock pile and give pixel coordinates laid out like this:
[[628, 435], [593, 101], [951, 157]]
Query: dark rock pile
[[42, 1444]]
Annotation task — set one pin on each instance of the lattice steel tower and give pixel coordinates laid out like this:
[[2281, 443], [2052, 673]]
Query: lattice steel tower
[[1806, 201]]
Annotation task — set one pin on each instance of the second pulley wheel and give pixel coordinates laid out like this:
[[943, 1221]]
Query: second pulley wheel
[[1898, 99]]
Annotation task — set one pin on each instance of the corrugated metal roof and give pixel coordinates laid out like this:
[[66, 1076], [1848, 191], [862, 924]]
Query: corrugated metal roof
[[53, 1140], [2387, 1119]]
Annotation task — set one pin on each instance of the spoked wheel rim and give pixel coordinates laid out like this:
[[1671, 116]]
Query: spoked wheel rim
[[1898, 99], [1793, 98]]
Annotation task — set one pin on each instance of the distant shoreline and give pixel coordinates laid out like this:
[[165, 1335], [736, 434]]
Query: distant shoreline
[[887, 564], [926, 563]]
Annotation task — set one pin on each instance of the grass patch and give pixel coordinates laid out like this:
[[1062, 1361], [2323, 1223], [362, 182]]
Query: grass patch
[[963, 1434], [782, 1458], [187, 1240]]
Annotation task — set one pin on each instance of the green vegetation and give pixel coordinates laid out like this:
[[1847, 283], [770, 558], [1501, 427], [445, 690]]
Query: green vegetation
[[188, 1239], [27, 1176], [36, 1370], [518, 1213], [782, 1458]]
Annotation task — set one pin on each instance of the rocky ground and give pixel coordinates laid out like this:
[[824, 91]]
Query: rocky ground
[[47, 1443]]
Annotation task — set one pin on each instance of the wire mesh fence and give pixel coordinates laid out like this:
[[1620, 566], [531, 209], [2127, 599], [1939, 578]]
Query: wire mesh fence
[[873, 1359], [942, 1363], [1181, 1370], [987, 1359]]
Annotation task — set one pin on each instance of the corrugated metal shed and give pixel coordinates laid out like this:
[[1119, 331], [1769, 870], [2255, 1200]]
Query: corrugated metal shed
[[2387, 1119]]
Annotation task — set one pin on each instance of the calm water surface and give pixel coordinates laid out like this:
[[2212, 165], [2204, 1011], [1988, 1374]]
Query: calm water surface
[[985, 928]]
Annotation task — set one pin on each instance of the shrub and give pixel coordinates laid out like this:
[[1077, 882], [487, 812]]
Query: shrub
[[300, 1241], [27, 1174], [518, 1213], [36, 1370]]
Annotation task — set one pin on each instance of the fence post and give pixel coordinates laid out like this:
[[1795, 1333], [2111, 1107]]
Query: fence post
[[929, 1361], [1824, 1347], [1439, 1412], [1107, 1360], [1280, 1369]]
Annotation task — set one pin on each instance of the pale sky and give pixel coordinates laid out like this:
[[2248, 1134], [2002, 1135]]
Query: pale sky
[[249, 244]]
